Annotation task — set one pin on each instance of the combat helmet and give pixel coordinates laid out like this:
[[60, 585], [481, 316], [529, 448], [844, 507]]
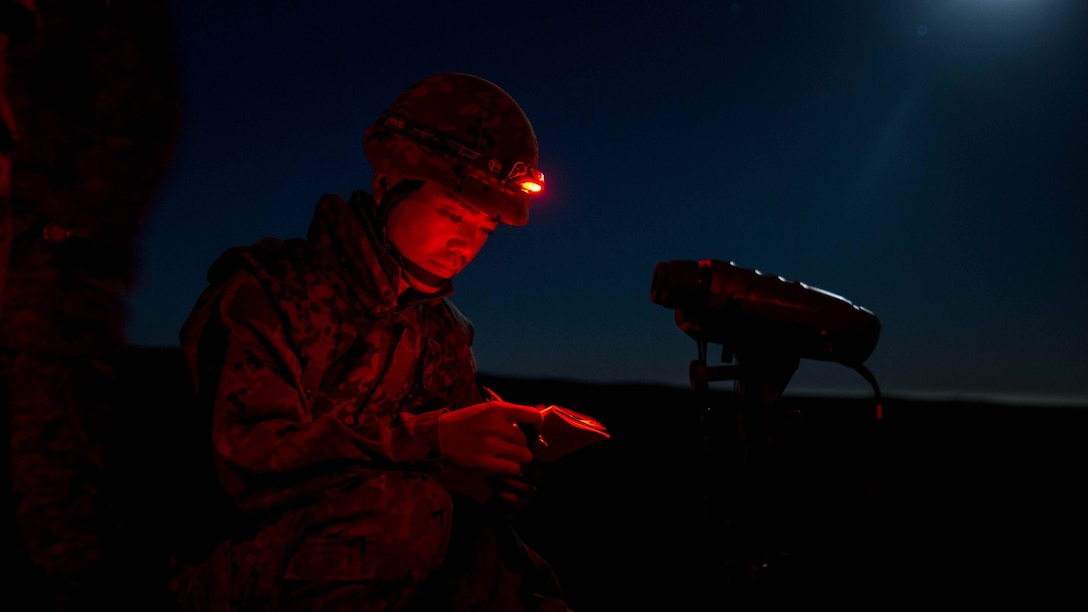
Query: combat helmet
[[465, 133]]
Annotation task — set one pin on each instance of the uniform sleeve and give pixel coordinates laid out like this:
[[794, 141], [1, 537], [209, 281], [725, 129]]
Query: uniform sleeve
[[269, 447]]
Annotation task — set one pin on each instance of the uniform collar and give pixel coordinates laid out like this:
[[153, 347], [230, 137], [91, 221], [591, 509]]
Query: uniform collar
[[351, 235]]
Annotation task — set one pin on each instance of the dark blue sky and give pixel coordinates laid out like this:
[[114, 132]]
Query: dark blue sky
[[925, 160]]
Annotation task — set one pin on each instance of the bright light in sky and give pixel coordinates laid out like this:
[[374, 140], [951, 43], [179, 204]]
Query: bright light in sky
[[1002, 10]]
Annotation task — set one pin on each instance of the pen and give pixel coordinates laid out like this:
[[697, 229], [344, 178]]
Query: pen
[[491, 395]]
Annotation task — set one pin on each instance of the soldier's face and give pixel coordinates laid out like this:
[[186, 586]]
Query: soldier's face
[[437, 232]]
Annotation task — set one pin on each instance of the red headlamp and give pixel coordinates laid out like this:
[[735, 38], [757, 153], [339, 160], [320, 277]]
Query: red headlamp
[[521, 176], [524, 177]]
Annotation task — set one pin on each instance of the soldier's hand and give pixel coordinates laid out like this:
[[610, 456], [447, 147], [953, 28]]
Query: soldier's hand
[[486, 437], [512, 494]]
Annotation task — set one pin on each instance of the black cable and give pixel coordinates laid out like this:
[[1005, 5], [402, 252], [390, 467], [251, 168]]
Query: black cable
[[867, 375]]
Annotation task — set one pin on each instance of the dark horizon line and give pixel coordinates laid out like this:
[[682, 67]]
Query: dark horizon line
[[901, 398]]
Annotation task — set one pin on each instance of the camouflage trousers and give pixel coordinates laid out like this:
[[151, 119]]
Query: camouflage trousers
[[489, 567], [486, 567]]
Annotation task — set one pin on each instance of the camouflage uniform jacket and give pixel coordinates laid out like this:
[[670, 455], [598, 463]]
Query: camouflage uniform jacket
[[325, 388]]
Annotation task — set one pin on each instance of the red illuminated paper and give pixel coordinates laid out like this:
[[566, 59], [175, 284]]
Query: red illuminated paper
[[565, 431]]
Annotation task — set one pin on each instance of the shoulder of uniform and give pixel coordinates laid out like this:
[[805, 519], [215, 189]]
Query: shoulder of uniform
[[268, 253], [359, 196], [459, 317]]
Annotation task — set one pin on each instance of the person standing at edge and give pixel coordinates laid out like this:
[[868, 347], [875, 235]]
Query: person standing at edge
[[89, 110], [370, 469]]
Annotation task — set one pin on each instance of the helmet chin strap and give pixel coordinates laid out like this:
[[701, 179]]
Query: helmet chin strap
[[420, 279], [387, 198], [392, 196], [412, 274]]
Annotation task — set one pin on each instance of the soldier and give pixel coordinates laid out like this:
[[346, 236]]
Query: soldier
[[371, 470], [88, 108]]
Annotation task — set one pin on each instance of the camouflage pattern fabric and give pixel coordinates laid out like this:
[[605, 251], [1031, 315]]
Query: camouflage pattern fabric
[[465, 133], [325, 387], [88, 107]]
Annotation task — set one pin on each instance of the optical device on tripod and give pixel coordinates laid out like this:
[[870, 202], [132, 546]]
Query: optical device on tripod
[[765, 325]]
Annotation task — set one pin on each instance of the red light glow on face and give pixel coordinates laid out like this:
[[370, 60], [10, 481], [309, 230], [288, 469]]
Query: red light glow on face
[[438, 232]]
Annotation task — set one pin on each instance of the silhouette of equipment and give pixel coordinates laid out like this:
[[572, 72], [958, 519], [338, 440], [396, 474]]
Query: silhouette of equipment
[[765, 325], [761, 318]]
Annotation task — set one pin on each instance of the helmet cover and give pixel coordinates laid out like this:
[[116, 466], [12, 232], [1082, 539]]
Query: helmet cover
[[464, 133]]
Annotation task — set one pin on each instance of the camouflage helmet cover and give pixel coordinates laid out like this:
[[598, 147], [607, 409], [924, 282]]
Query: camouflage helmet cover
[[460, 131]]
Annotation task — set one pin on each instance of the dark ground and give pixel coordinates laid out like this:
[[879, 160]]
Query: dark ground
[[952, 503]]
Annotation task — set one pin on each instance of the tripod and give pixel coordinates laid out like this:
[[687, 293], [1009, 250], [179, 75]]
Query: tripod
[[747, 451], [758, 483]]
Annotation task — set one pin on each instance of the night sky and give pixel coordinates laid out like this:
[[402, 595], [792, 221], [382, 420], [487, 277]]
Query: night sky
[[922, 159]]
